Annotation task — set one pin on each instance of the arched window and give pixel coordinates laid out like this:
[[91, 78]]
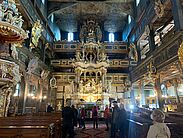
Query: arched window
[[111, 37], [70, 37], [17, 90], [129, 19], [137, 2], [52, 18], [43, 1]]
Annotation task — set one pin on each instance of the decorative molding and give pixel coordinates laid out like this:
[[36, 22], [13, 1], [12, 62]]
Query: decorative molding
[[65, 46], [113, 63]]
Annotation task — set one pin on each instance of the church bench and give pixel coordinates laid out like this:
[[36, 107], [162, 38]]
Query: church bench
[[25, 132], [30, 125]]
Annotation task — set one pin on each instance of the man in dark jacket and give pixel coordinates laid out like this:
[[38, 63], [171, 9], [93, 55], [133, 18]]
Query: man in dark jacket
[[68, 118], [114, 119], [122, 122], [75, 115]]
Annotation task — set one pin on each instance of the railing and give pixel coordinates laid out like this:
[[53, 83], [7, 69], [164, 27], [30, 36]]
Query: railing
[[137, 129], [68, 63], [65, 46], [140, 130]]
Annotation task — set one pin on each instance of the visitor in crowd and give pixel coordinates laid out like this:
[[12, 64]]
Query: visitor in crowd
[[79, 117], [122, 122], [49, 108], [159, 129], [68, 118], [75, 115], [95, 117], [107, 117], [114, 119], [83, 118], [75, 111]]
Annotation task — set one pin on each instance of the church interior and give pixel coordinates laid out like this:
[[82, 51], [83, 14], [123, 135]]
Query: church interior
[[89, 53]]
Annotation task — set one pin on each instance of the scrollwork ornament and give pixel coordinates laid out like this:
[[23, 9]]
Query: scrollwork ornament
[[133, 52], [36, 34], [53, 82], [159, 8], [180, 53], [44, 74], [14, 53], [33, 64]]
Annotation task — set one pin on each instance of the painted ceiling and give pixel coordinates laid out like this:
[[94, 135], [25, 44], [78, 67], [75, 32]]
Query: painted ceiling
[[110, 14]]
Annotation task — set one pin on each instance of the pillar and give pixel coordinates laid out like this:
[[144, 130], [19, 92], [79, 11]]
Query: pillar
[[63, 96], [175, 84], [151, 39], [142, 98], [177, 11], [40, 93], [26, 76], [138, 52], [132, 95], [157, 88]]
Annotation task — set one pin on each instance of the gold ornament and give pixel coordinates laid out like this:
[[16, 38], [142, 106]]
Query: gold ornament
[[180, 53], [36, 34]]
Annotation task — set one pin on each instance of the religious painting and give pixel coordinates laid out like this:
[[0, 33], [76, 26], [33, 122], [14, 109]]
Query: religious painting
[[60, 88], [58, 46], [115, 78], [108, 47], [73, 46], [109, 77], [115, 62], [66, 46], [59, 95], [122, 47]]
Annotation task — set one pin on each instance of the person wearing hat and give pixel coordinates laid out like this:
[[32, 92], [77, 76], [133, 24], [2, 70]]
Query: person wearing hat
[[114, 119], [159, 129]]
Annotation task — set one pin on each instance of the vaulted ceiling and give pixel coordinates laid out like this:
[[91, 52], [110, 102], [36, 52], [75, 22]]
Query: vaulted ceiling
[[110, 14]]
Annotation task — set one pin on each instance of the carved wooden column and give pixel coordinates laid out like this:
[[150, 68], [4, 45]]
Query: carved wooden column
[[177, 11], [141, 89], [157, 88], [132, 95], [40, 94], [175, 84], [151, 38], [26, 76]]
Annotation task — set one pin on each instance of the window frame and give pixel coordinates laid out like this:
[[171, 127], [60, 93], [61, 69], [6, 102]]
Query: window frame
[[111, 37], [70, 37]]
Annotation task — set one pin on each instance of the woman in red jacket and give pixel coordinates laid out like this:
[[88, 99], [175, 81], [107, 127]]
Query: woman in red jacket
[[83, 118], [107, 116], [95, 117]]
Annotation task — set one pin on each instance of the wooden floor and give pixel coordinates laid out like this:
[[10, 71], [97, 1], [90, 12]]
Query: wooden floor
[[90, 132]]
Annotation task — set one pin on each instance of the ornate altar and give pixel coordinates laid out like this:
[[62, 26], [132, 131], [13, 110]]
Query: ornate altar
[[90, 64], [11, 33]]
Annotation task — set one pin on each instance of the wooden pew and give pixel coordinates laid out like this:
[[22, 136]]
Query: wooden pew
[[34, 126]]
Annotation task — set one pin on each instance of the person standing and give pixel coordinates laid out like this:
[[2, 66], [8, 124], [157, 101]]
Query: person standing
[[114, 119], [122, 121], [159, 129], [75, 115], [79, 117], [68, 118], [83, 118], [107, 116], [95, 117], [49, 108]]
